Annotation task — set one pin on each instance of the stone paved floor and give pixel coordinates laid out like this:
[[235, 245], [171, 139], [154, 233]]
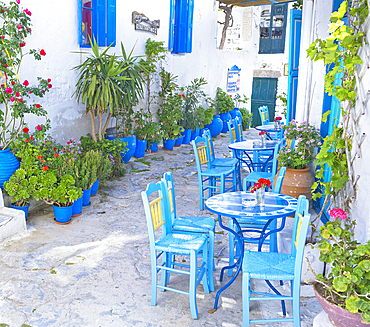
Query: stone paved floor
[[96, 270]]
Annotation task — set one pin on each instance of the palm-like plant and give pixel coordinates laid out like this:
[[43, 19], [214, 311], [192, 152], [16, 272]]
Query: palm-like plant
[[99, 86]]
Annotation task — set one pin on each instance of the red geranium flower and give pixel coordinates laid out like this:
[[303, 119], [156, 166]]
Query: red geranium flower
[[22, 44], [42, 52], [17, 94], [180, 95], [27, 139], [39, 157], [262, 132], [42, 161], [20, 100], [44, 168], [13, 82], [25, 130], [25, 83], [38, 106], [43, 91], [30, 92], [49, 80], [31, 137], [183, 96], [50, 86], [39, 128], [56, 155]]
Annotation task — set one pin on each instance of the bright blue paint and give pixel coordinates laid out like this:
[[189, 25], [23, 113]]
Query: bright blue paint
[[111, 22], [171, 25], [294, 50], [181, 26]]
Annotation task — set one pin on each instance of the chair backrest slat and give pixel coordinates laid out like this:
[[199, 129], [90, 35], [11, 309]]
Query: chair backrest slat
[[264, 114], [202, 152], [234, 134], [156, 211]]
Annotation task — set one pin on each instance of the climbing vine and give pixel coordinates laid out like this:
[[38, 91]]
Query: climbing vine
[[340, 53]]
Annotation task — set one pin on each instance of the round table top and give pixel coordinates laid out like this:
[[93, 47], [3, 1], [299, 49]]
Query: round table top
[[231, 204], [253, 145], [268, 128]]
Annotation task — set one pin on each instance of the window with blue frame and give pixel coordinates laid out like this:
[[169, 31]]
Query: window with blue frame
[[181, 26], [97, 18]]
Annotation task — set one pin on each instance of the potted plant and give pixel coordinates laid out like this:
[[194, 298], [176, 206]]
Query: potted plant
[[132, 86], [235, 113], [169, 113], [223, 104], [344, 292], [142, 128], [58, 192], [193, 97], [104, 170], [247, 117], [14, 92], [299, 178]]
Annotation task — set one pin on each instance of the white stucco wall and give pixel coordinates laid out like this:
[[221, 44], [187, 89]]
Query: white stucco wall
[[55, 30]]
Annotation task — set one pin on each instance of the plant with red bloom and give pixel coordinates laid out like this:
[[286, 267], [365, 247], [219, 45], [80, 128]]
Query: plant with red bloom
[[262, 133], [38, 106], [39, 157], [25, 130], [49, 80], [278, 118], [22, 44], [42, 52], [56, 155], [12, 82], [39, 128], [261, 183], [50, 86], [25, 83], [27, 139], [17, 94], [45, 168]]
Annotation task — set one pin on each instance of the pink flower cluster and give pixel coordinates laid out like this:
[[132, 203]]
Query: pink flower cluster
[[337, 213]]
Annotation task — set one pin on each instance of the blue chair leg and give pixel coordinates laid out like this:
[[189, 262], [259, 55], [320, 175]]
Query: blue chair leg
[[246, 293], [296, 306], [154, 280], [211, 264], [201, 192], [165, 275], [192, 290], [222, 184], [205, 277]]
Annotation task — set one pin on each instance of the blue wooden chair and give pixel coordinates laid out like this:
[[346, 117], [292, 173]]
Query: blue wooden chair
[[212, 175], [192, 225], [264, 114], [170, 244], [232, 131], [255, 224], [254, 176], [277, 266], [221, 162]]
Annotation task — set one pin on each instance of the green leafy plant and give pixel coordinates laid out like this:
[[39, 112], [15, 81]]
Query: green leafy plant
[[223, 102], [194, 97], [307, 138], [348, 283], [99, 86], [15, 27], [298, 5], [169, 113], [247, 118], [284, 99]]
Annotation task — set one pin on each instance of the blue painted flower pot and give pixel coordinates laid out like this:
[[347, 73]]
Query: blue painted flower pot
[[201, 132], [86, 197], [77, 207], [216, 126], [238, 115], [187, 136], [24, 209], [8, 165], [140, 148], [195, 133], [179, 140], [94, 187], [62, 214], [168, 144], [225, 117], [233, 113], [130, 146], [154, 147]]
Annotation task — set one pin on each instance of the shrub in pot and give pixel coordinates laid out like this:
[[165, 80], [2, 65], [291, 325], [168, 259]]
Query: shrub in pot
[[223, 104]]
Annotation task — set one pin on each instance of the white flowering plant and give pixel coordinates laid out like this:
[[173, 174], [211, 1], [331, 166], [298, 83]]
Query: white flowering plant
[[306, 137]]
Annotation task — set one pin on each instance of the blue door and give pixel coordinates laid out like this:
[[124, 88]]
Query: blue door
[[294, 47]]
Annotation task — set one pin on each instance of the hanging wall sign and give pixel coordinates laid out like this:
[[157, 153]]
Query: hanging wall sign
[[233, 79], [142, 23]]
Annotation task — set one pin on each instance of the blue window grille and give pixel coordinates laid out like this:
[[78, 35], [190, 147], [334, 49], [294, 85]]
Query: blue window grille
[[181, 26], [97, 18]]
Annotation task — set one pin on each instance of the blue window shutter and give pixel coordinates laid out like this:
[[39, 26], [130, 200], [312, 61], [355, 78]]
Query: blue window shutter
[[171, 31], [100, 22], [189, 36], [181, 19], [79, 20], [111, 22]]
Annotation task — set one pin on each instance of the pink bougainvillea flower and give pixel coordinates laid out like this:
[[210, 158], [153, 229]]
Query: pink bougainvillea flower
[[19, 26], [25, 83], [17, 94], [12, 99], [18, 1], [20, 100], [49, 80], [337, 213], [50, 86], [22, 44], [43, 91], [39, 128], [27, 12], [38, 106], [8, 90], [42, 52], [25, 130]]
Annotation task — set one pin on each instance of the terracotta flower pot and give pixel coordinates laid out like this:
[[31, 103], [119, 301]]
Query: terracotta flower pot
[[337, 315], [297, 182]]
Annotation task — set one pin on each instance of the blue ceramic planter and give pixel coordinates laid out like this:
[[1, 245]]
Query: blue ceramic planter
[[238, 115], [140, 148], [168, 144], [225, 117], [195, 133], [187, 136], [86, 197], [130, 146], [8, 165], [77, 207], [95, 187], [216, 126], [179, 140], [62, 214], [154, 147], [24, 209]]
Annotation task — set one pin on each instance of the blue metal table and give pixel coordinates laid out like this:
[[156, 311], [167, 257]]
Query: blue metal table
[[239, 205], [278, 132]]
